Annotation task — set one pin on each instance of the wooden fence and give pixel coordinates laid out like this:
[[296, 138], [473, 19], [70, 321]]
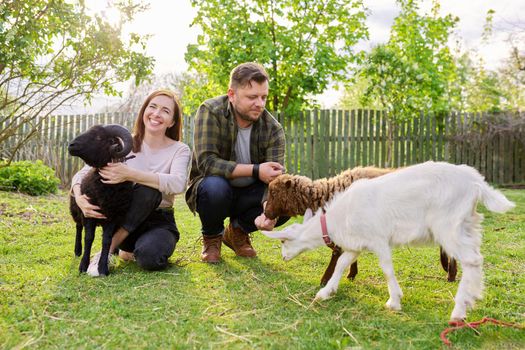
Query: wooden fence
[[322, 143]]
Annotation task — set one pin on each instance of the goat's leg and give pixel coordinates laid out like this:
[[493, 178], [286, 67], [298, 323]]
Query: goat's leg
[[343, 262], [89, 235], [336, 253], [394, 290], [471, 283], [467, 251], [78, 239], [469, 289]]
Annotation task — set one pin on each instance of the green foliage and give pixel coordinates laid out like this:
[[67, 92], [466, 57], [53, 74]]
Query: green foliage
[[415, 71], [27, 177], [55, 52], [304, 45], [261, 303]]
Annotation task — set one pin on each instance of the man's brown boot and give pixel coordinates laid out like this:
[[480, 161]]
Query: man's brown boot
[[239, 241], [211, 249]]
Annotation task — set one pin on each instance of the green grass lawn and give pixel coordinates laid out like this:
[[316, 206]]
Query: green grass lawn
[[261, 303]]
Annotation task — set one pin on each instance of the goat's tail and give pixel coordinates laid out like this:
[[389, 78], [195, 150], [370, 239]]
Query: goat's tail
[[493, 199]]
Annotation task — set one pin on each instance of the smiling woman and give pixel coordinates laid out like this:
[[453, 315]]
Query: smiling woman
[[159, 170]]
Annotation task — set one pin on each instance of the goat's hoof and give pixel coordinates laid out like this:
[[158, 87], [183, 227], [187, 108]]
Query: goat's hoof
[[394, 306], [323, 294], [456, 321], [458, 316]]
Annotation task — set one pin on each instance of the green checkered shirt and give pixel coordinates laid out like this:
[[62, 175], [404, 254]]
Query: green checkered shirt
[[214, 140]]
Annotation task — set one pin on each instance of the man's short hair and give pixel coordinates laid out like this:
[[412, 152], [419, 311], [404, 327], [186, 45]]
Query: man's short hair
[[245, 73]]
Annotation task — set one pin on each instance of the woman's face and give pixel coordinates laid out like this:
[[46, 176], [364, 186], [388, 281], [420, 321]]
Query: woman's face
[[158, 115]]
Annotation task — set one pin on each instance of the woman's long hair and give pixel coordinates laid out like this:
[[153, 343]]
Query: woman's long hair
[[174, 132]]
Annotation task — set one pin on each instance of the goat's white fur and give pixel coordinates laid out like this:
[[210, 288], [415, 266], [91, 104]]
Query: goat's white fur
[[424, 203]]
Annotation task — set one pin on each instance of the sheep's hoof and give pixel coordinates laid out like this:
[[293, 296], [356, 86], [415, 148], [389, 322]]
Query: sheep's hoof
[[96, 273], [83, 266]]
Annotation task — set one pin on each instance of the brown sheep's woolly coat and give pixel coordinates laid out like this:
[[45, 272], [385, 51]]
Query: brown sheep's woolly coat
[[291, 195]]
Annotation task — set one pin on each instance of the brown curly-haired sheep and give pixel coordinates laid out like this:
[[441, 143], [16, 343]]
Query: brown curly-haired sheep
[[292, 195]]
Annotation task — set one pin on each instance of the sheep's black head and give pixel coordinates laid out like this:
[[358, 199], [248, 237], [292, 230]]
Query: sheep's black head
[[102, 144]]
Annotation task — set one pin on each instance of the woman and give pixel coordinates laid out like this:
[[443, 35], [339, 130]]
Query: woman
[[159, 170]]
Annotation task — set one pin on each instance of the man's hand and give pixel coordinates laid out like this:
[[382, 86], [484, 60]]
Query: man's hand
[[269, 171], [263, 223]]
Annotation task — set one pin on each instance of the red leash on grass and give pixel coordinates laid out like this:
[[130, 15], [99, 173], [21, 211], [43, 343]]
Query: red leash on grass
[[460, 324]]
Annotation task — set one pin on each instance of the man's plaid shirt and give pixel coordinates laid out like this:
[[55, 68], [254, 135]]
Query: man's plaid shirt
[[214, 140]]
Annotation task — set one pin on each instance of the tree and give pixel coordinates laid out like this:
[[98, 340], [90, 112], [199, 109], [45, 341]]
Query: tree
[[53, 53], [415, 71], [177, 82], [500, 90], [304, 45], [512, 74]]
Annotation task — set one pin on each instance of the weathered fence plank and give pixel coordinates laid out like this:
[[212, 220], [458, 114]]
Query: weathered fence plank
[[323, 143]]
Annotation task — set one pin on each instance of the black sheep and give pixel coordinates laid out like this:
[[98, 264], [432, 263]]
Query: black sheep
[[97, 147]]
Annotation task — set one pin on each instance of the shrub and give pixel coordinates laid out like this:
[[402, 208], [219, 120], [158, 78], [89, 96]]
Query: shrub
[[33, 178]]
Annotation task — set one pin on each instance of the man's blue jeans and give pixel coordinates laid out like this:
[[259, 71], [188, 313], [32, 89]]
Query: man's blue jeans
[[217, 200]]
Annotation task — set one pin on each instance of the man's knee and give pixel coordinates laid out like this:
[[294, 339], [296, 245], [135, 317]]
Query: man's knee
[[214, 190]]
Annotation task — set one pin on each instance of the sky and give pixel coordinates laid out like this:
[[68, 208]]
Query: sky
[[169, 24]]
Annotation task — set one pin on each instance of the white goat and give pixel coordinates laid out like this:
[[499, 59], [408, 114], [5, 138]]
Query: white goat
[[429, 202]]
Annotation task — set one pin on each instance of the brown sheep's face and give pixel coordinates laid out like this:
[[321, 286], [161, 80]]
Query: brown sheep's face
[[278, 191]]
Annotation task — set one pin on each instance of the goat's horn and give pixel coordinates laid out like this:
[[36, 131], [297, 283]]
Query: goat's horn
[[122, 133]]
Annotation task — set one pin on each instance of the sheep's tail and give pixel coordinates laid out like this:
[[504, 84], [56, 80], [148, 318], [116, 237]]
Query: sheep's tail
[[493, 199]]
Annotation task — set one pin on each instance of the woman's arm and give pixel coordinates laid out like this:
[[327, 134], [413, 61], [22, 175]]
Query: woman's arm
[[115, 173], [176, 181], [170, 180], [89, 210]]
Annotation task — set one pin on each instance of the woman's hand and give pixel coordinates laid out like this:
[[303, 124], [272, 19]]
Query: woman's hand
[[115, 173], [89, 210]]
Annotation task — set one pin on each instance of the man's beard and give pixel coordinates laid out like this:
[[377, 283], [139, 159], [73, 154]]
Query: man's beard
[[246, 117]]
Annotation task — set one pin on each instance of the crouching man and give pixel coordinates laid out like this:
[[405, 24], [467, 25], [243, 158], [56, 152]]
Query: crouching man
[[238, 149]]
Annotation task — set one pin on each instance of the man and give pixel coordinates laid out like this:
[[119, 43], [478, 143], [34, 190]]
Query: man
[[238, 149]]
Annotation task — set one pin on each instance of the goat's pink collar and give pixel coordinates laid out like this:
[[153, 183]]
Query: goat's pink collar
[[326, 238]]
